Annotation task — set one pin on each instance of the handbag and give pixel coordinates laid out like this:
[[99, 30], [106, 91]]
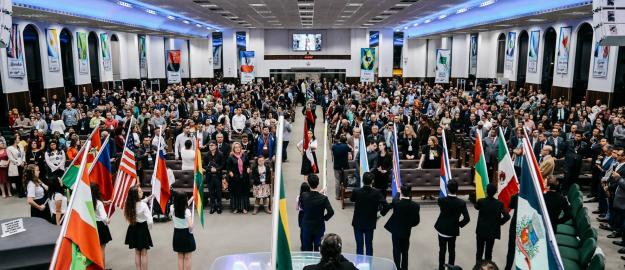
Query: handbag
[[13, 171]]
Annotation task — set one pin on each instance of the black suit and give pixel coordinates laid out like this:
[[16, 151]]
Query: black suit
[[557, 204], [448, 226], [512, 233], [368, 201], [574, 152], [405, 216], [491, 216], [317, 210], [343, 264], [213, 179]]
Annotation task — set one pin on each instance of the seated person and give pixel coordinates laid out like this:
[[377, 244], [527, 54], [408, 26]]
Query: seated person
[[331, 258]]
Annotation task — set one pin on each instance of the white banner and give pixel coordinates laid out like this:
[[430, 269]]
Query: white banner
[[564, 49], [600, 64], [443, 62]]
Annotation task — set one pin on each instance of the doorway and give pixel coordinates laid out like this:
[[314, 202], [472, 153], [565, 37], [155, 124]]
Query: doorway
[[522, 65], [94, 60], [32, 56], [619, 81], [583, 53], [67, 61], [501, 52], [549, 55], [115, 59]]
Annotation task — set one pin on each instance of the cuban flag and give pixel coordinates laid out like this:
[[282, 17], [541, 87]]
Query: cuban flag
[[363, 160], [536, 246], [445, 170], [396, 184]]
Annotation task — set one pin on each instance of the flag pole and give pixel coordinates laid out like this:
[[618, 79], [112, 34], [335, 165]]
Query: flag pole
[[325, 156], [276, 192], [117, 182], [194, 183], [66, 219]]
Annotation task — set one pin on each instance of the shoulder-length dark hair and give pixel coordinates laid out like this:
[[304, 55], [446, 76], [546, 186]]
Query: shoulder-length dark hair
[[130, 208], [180, 204]]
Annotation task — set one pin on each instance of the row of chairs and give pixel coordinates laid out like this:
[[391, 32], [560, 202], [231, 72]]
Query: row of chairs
[[577, 240]]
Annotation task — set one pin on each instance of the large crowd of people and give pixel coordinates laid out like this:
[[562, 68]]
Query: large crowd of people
[[235, 126]]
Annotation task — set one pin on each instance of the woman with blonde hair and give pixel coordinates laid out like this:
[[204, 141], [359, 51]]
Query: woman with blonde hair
[[238, 168], [409, 143]]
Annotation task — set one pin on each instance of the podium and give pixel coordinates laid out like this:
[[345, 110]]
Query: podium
[[261, 261], [31, 249]]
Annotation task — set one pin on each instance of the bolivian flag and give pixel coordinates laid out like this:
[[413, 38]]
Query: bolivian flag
[[71, 173], [198, 184], [481, 171]]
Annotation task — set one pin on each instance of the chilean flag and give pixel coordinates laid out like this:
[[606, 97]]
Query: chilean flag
[[100, 172], [160, 181]]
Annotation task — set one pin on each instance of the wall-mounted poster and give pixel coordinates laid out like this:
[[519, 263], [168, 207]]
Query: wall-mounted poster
[[367, 64], [564, 49], [532, 53], [443, 61], [247, 66], [173, 66], [217, 57], [510, 50], [473, 56], [600, 65], [143, 58], [52, 42], [83, 61], [106, 52], [15, 56]]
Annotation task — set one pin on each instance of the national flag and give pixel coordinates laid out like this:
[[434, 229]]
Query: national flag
[[508, 184], [126, 173], [160, 180], [307, 149], [198, 183], [396, 184], [536, 246], [100, 171], [481, 171], [281, 246], [541, 180], [78, 245], [445, 170], [71, 173], [363, 159]]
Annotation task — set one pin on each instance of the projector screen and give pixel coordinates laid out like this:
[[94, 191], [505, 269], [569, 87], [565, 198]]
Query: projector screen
[[306, 42]]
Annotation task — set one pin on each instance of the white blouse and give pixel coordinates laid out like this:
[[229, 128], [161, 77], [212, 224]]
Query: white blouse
[[100, 212], [34, 191], [55, 160], [58, 197], [188, 159], [180, 223], [143, 212]]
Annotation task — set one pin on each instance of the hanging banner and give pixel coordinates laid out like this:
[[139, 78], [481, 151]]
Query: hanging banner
[[247, 66], [600, 65], [532, 54], [510, 50], [83, 62], [52, 41], [367, 64], [143, 59], [217, 57], [106, 52], [15, 56], [564, 49], [173, 66], [473, 56], [443, 61]]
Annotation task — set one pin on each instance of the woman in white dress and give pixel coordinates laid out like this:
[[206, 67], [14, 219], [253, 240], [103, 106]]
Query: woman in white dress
[[17, 158], [188, 156]]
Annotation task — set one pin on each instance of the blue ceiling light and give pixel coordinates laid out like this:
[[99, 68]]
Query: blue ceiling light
[[131, 13], [480, 12]]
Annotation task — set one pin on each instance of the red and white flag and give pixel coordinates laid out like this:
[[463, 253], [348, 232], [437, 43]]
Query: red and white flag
[[160, 180], [126, 174]]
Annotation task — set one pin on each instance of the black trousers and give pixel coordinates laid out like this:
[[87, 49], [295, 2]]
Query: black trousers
[[400, 252], [214, 187], [484, 249], [444, 244], [285, 144]]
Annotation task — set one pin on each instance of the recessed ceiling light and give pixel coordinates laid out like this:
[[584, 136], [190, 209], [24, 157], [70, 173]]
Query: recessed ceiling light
[[209, 5], [462, 10], [415, 25], [354, 4], [344, 16], [536, 20], [428, 21], [340, 20], [405, 27], [185, 21], [367, 24], [403, 5], [487, 3], [150, 11], [306, 16], [442, 16], [503, 25], [575, 13], [171, 17], [258, 5], [124, 4], [305, 4]]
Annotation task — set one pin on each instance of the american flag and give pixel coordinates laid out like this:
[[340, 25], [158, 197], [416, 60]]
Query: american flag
[[127, 173]]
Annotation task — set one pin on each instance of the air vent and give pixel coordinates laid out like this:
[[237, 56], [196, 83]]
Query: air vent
[[397, 8], [201, 1], [409, 1]]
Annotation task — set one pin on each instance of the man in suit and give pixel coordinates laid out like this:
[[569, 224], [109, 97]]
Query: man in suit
[[317, 210], [547, 162], [375, 135], [222, 146], [558, 206], [491, 216], [557, 142], [540, 143], [405, 217], [449, 223], [340, 154], [574, 152], [617, 183], [490, 150], [368, 201]]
